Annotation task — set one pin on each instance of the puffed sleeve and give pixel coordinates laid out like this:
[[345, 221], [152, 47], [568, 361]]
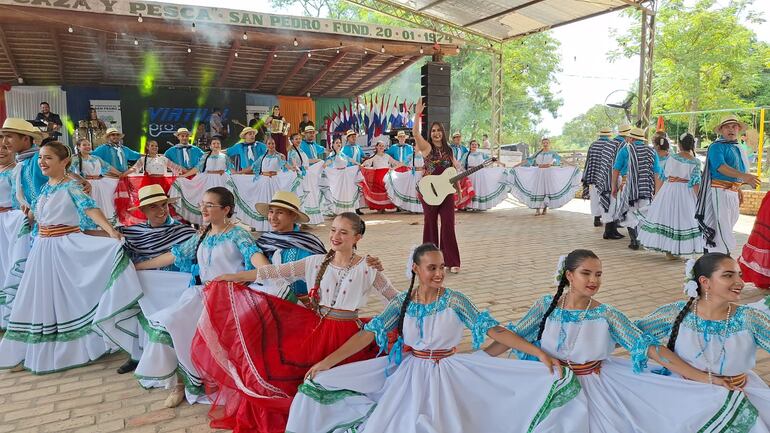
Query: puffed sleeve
[[386, 321], [631, 338], [82, 201], [478, 322], [658, 323], [184, 253], [695, 175], [105, 166], [758, 323], [246, 246]]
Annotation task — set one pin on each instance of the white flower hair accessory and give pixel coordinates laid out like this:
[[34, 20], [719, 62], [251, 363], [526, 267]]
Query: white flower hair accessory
[[690, 285], [410, 262], [561, 268]]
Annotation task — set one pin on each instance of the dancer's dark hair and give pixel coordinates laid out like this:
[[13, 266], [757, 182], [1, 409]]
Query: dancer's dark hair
[[416, 256], [296, 149], [444, 142], [61, 150], [687, 142], [571, 263], [208, 154], [359, 227], [705, 266], [80, 156], [662, 143]]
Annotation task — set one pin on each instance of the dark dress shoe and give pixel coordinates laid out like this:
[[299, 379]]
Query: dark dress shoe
[[128, 366]]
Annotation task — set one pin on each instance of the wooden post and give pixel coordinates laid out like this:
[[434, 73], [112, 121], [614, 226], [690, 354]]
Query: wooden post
[[760, 153]]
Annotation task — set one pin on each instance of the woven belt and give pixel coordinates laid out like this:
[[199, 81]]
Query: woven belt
[[93, 177], [738, 381], [584, 369], [723, 184], [5, 209], [677, 180], [57, 231], [434, 355], [335, 314]]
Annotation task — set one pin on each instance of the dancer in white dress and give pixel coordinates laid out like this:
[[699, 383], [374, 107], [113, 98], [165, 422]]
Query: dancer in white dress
[[14, 236], [583, 333], [153, 164], [402, 186], [212, 170], [341, 176], [60, 318], [541, 183], [374, 170], [718, 338], [102, 177], [489, 183], [270, 174], [309, 170], [669, 223], [430, 389], [222, 248]]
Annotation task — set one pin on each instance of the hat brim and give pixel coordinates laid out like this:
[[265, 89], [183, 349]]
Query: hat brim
[[744, 126], [115, 133], [243, 135], [637, 138], [168, 200], [35, 135], [264, 208]]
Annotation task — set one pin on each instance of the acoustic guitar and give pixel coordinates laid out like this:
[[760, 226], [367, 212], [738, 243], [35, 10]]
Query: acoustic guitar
[[435, 188]]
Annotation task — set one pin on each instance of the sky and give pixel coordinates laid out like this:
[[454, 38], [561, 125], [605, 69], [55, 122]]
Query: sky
[[587, 77]]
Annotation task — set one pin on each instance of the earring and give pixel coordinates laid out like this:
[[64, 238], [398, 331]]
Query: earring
[[707, 295]]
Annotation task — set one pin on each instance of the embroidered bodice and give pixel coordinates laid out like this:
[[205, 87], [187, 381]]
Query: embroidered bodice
[[218, 254], [475, 158], [7, 191], [156, 165], [436, 163], [748, 330], [542, 158], [217, 162], [268, 162], [352, 293], [92, 166], [417, 160], [339, 160], [63, 204], [299, 159], [583, 336], [677, 166], [380, 161]]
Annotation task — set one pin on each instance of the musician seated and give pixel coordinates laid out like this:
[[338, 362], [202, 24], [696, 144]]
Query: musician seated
[[52, 120], [183, 153], [152, 164], [246, 152]]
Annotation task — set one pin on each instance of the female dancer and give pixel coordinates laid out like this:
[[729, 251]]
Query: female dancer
[[661, 144], [402, 185], [341, 193], [254, 349], [310, 173], [56, 313], [374, 171], [430, 388], [221, 248], [541, 183], [583, 333], [152, 164], [14, 236], [489, 185], [94, 169], [438, 158], [212, 171], [669, 224]]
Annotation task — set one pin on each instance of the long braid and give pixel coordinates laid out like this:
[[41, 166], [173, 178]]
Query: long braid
[[404, 306], [205, 232], [205, 161], [321, 271], [675, 327], [554, 302]]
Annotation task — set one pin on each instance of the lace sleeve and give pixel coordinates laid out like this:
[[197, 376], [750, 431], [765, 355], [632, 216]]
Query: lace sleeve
[[184, 253], [758, 323], [246, 246], [695, 176], [386, 321], [658, 323], [631, 338], [82, 201], [528, 326], [479, 322], [283, 274], [383, 285]]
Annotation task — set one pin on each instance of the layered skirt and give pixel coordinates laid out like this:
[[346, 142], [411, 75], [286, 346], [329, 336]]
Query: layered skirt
[[103, 193], [63, 319], [490, 188], [755, 258], [15, 241], [249, 190], [538, 188], [668, 224], [254, 349], [190, 193], [401, 187], [340, 189], [373, 188]]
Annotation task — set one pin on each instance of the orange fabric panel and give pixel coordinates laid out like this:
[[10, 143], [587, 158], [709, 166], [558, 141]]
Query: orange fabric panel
[[292, 108]]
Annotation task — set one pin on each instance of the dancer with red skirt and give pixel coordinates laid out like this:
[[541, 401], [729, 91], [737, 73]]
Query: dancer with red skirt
[[438, 157], [755, 258], [254, 349], [374, 171]]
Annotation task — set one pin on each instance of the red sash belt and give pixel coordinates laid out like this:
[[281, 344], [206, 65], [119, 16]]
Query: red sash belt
[[57, 231], [723, 184], [5, 209], [335, 314], [584, 369], [434, 355]]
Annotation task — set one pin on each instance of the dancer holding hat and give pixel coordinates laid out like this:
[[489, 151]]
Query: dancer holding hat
[[183, 153], [719, 199], [115, 153], [247, 151]]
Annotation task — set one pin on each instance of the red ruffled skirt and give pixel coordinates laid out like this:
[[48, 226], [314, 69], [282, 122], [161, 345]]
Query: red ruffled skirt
[[373, 187], [253, 351], [463, 199], [755, 258]]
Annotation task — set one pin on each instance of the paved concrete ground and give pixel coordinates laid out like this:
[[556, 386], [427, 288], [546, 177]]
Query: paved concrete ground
[[508, 256]]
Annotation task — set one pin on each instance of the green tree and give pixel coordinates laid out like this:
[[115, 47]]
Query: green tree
[[582, 130], [705, 57]]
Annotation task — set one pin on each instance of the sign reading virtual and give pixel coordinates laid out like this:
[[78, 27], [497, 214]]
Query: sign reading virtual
[[202, 15]]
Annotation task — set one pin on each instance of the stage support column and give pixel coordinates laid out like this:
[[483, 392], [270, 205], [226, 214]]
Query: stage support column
[[647, 47], [436, 92], [497, 100]]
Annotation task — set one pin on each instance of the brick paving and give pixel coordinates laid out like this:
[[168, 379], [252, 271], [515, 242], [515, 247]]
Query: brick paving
[[508, 259]]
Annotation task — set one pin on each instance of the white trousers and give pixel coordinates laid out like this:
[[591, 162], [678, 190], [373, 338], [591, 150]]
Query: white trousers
[[596, 206], [724, 217]]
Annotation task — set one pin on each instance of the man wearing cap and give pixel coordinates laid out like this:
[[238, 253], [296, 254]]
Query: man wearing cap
[[608, 202], [597, 170], [351, 149], [183, 153], [401, 151], [719, 198], [247, 151], [115, 152], [638, 164], [459, 151], [314, 152]]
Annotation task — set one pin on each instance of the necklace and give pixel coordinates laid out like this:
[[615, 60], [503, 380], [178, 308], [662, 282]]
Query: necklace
[[224, 230], [341, 277], [439, 293], [6, 166], [59, 180], [702, 344], [570, 345]]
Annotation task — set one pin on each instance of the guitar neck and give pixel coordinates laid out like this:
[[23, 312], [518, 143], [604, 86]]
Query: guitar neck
[[470, 171]]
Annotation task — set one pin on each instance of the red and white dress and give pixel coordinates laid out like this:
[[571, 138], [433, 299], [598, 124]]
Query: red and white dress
[[253, 349], [755, 258], [373, 185]]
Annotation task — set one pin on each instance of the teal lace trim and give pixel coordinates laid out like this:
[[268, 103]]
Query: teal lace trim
[[324, 396]]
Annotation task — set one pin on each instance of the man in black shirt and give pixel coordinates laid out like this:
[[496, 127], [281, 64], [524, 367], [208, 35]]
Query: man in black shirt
[[259, 125], [51, 119], [305, 122]]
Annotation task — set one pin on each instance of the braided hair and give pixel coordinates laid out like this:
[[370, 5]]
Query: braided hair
[[359, 227], [571, 263], [416, 256], [687, 142], [705, 266], [208, 154], [226, 199], [296, 149]]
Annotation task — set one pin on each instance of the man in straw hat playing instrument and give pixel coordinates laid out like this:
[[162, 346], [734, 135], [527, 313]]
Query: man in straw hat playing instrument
[[115, 152], [599, 161], [401, 151], [717, 209], [638, 165], [247, 151], [315, 152], [606, 200], [183, 153]]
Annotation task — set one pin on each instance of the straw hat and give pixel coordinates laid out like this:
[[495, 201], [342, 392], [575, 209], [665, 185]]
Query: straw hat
[[246, 130], [111, 131], [605, 131], [181, 131], [284, 200], [456, 134], [730, 118], [21, 126], [637, 134], [309, 128], [350, 132], [623, 130], [401, 134], [152, 194]]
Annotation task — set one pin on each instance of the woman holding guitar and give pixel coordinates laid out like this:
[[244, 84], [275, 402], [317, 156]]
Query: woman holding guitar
[[438, 157]]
